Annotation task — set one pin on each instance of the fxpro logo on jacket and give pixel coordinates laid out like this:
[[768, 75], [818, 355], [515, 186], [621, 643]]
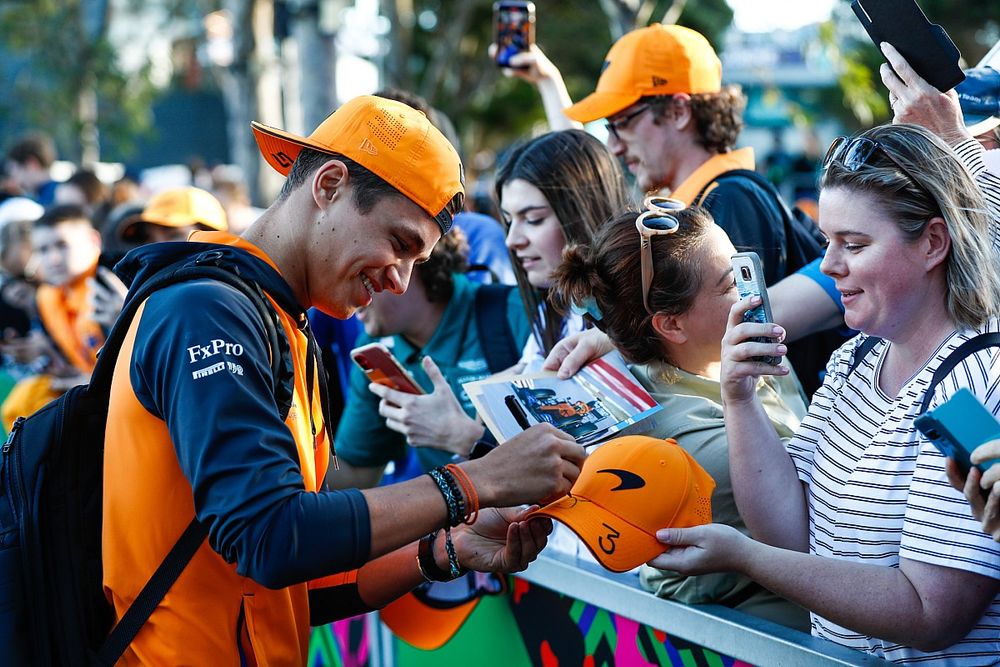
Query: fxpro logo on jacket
[[214, 348]]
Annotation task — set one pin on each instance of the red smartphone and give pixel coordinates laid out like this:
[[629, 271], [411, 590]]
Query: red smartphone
[[381, 367], [513, 29]]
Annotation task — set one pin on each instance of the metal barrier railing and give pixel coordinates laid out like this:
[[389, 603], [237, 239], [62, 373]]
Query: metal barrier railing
[[721, 629]]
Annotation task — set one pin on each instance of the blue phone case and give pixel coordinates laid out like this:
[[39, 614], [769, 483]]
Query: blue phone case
[[958, 426]]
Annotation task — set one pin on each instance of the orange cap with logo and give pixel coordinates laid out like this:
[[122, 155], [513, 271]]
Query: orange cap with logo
[[389, 138], [180, 207], [629, 488], [655, 60]]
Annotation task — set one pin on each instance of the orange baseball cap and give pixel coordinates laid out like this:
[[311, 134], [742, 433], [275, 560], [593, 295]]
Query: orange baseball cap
[[655, 60], [180, 207], [430, 615], [389, 138], [629, 488]]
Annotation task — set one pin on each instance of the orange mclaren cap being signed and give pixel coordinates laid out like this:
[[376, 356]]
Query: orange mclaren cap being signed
[[389, 138], [629, 488]]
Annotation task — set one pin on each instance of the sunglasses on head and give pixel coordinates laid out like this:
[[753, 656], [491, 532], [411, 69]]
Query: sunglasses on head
[[657, 220], [854, 153]]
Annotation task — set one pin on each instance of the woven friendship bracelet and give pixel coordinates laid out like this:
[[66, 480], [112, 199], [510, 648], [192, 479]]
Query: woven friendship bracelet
[[453, 498]]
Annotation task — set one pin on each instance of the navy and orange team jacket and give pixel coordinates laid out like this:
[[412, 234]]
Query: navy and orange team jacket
[[194, 427]]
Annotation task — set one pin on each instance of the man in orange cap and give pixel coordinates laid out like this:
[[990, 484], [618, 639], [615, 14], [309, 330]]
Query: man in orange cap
[[198, 427], [674, 125], [173, 214]]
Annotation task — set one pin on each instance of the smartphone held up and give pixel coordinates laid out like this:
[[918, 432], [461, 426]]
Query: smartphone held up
[[513, 29], [381, 367], [748, 272]]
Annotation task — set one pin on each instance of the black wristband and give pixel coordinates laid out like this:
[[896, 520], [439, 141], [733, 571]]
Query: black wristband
[[425, 560]]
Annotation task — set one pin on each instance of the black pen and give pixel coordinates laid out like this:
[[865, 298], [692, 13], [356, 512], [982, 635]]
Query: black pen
[[515, 409]]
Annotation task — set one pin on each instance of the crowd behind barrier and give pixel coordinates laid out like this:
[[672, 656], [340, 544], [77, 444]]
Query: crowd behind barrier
[[831, 513]]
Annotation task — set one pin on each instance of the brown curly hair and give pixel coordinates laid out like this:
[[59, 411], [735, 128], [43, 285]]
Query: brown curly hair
[[718, 117], [609, 270], [448, 258]]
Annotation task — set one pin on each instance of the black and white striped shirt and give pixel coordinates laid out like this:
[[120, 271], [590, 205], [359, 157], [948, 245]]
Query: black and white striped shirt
[[878, 490]]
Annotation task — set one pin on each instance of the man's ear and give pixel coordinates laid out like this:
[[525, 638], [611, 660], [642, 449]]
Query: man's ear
[[937, 241], [679, 111], [670, 328], [329, 182]]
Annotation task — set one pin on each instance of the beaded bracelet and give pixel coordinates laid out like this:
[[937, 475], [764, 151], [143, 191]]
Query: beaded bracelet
[[453, 498]]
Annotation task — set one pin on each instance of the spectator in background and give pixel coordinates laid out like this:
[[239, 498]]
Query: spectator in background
[[65, 249], [17, 291], [230, 189], [123, 191], [169, 216], [86, 190], [172, 215], [433, 329], [29, 160]]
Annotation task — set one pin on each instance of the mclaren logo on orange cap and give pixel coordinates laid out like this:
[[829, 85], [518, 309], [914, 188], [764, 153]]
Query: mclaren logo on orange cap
[[659, 485], [628, 480]]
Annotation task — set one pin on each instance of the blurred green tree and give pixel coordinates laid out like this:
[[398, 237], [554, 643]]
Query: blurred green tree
[[438, 49], [68, 80]]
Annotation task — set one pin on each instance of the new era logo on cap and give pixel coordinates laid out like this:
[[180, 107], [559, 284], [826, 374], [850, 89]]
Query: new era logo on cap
[[368, 147], [628, 489]]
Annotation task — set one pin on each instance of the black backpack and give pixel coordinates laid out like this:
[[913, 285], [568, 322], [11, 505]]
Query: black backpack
[[493, 327], [803, 240], [53, 610]]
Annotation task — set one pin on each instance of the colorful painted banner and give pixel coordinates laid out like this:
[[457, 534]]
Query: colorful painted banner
[[532, 626]]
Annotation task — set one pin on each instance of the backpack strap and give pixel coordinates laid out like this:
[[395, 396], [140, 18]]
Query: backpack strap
[[104, 369], [735, 174], [861, 351], [205, 267], [152, 594], [493, 327], [968, 348]]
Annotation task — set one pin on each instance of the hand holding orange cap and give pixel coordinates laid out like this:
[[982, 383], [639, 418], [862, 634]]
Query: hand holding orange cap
[[629, 488]]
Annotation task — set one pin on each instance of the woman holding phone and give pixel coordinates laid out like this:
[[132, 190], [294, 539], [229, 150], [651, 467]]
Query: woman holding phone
[[554, 190], [854, 518], [670, 330]]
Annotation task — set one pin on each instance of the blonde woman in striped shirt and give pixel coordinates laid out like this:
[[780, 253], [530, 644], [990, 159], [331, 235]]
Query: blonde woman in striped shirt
[[855, 519]]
